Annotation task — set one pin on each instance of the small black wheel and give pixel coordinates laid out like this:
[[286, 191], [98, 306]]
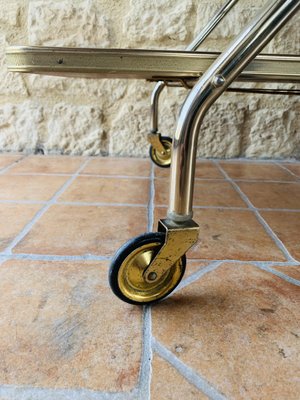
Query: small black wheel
[[126, 272], [162, 160]]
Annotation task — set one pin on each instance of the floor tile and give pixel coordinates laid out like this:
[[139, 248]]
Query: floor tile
[[204, 169], [13, 218], [108, 190], [75, 230], [6, 160], [295, 168], [38, 188], [168, 384], [292, 271], [265, 171], [230, 235], [272, 195], [238, 328], [118, 166], [48, 165], [287, 227], [206, 193], [64, 329]]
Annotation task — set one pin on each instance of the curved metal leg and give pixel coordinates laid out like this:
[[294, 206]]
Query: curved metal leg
[[154, 137], [211, 85]]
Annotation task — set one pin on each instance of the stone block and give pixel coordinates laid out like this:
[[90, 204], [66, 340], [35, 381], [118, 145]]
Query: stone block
[[158, 23], [9, 13], [67, 23], [222, 130], [104, 92], [75, 129], [10, 83], [274, 133], [21, 126], [232, 24]]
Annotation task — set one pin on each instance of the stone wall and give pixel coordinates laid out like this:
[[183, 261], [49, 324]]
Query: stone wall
[[78, 116]]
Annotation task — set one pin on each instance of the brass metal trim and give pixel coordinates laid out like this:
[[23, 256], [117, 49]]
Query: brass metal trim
[[153, 65], [155, 140], [180, 237]]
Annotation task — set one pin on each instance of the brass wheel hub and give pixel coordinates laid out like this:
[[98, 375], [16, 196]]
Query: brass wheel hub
[[163, 158], [131, 278]]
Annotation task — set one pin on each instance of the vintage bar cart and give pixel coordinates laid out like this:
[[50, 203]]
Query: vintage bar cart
[[149, 267]]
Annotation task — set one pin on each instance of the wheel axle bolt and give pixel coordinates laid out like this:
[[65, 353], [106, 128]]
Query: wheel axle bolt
[[152, 276]]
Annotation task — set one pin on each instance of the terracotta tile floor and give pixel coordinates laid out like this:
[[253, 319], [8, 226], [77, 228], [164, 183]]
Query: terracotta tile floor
[[231, 330]]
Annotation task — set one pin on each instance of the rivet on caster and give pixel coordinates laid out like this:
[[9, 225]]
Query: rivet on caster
[[149, 267], [160, 150]]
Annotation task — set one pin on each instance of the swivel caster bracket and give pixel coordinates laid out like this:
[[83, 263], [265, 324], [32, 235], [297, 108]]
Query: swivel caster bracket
[[180, 237], [160, 150], [154, 138]]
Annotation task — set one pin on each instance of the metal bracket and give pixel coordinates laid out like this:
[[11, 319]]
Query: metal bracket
[[180, 237], [154, 140]]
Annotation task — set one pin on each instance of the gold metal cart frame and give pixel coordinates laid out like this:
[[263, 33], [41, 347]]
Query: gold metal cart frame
[[149, 267]]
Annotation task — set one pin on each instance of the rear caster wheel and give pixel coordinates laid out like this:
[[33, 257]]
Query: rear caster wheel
[[162, 159], [126, 273]]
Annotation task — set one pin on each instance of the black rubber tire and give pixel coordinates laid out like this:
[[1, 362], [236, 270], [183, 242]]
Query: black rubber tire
[[125, 251], [152, 152]]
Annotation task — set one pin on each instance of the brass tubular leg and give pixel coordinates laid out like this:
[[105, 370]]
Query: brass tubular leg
[[209, 87], [192, 47]]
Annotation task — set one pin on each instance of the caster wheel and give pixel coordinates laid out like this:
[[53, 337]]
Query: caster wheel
[[162, 160], [129, 263]]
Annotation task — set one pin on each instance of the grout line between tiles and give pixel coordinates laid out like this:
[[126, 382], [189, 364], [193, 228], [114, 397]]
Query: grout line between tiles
[[253, 161], [147, 177], [80, 175], [103, 204], [286, 169], [85, 204], [54, 257], [265, 225], [210, 207], [197, 275], [41, 212], [146, 359], [278, 273], [115, 176], [264, 181], [39, 174], [13, 392], [275, 238], [220, 180], [8, 167], [279, 209], [189, 374], [279, 263], [93, 257]]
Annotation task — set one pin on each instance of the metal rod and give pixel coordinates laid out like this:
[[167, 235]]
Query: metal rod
[[281, 91], [154, 105], [289, 92], [191, 47], [212, 84], [206, 31]]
